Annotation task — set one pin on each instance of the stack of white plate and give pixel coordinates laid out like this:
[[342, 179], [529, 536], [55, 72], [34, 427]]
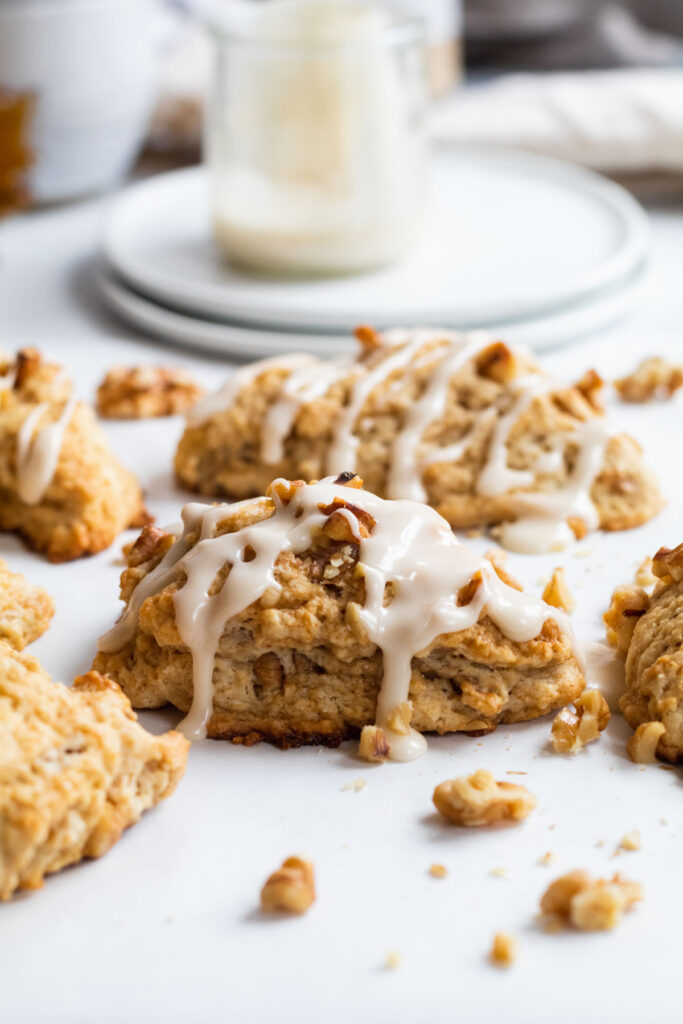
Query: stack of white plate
[[533, 249]]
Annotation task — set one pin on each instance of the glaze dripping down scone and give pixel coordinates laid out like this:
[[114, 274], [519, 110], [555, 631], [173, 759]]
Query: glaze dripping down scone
[[62, 489], [473, 427], [25, 610], [329, 609], [648, 630], [76, 769]]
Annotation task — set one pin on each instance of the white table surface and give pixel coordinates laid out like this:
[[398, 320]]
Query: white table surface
[[165, 927]]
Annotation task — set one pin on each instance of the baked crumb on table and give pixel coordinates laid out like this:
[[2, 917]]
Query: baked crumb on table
[[76, 769], [588, 904], [290, 889], [143, 392], [25, 609], [479, 800]]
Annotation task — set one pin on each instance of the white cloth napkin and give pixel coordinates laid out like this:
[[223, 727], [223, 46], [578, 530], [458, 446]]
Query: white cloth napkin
[[614, 121]]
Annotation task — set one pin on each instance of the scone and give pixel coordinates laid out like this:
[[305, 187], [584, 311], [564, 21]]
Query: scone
[[76, 769], [648, 630], [303, 616], [61, 487], [473, 427], [25, 610], [144, 392]]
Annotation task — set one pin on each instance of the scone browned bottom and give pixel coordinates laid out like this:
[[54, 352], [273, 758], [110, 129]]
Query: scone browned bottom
[[331, 609], [76, 769]]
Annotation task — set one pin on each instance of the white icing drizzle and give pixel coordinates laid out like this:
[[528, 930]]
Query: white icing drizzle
[[306, 384], [454, 452], [410, 547], [37, 456], [223, 399], [496, 476]]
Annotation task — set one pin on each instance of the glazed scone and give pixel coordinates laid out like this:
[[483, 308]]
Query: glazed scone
[[473, 427], [143, 392], [25, 610], [76, 769], [330, 609], [62, 489], [648, 630]]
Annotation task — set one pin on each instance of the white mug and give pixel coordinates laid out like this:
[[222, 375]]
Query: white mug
[[89, 68]]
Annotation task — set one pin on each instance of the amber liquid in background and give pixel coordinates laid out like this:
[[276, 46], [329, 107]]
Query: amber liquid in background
[[16, 155]]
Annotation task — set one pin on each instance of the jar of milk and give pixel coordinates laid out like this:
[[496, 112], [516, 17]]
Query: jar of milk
[[316, 135]]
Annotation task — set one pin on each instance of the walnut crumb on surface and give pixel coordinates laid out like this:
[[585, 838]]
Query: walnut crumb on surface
[[438, 870], [373, 745], [631, 841], [557, 592], [627, 606], [290, 889], [644, 575], [547, 859], [642, 746], [393, 960], [589, 904], [144, 392], [573, 729], [503, 950], [654, 378], [480, 800], [498, 872], [354, 786]]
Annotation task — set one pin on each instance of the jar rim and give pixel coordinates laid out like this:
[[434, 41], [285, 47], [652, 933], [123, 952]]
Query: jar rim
[[402, 27]]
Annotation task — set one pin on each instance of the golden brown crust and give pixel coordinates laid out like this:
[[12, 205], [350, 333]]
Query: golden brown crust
[[76, 769], [654, 652], [91, 497], [143, 392], [295, 667], [25, 610], [221, 457]]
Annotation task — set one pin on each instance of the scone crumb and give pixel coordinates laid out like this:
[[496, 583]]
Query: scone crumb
[[630, 841], [557, 592], [503, 950], [498, 872], [438, 870], [354, 786], [480, 800], [627, 606], [143, 392], [654, 378], [589, 904], [290, 889], [373, 745], [642, 745], [393, 960], [572, 730], [547, 859]]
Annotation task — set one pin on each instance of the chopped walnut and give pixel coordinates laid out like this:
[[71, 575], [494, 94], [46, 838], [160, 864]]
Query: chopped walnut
[[369, 338], [557, 592], [151, 543], [547, 859], [621, 618], [573, 729], [642, 746], [438, 870], [589, 904], [291, 888], [468, 590], [399, 720], [373, 744], [142, 392], [283, 490], [345, 521], [393, 960], [630, 842], [355, 786], [644, 575], [349, 479], [498, 362], [503, 949], [590, 386], [498, 872], [667, 564], [480, 800], [578, 526], [654, 378], [498, 560]]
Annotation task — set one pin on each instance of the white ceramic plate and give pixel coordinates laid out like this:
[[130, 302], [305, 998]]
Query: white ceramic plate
[[242, 342], [510, 237]]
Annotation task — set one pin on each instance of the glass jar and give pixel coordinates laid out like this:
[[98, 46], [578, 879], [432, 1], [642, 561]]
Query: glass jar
[[316, 136]]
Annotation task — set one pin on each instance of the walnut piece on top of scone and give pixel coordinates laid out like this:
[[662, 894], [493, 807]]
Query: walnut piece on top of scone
[[479, 800], [62, 489], [473, 427], [648, 630], [143, 392], [76, 769], [654, 378], [25, 609], [332, 611]]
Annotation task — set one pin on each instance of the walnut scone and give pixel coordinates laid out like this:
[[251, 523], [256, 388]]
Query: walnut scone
[[76, 769], [25, 610], [144, 392], [472, 427], [307, 615], [648, 630], [62, 489]]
